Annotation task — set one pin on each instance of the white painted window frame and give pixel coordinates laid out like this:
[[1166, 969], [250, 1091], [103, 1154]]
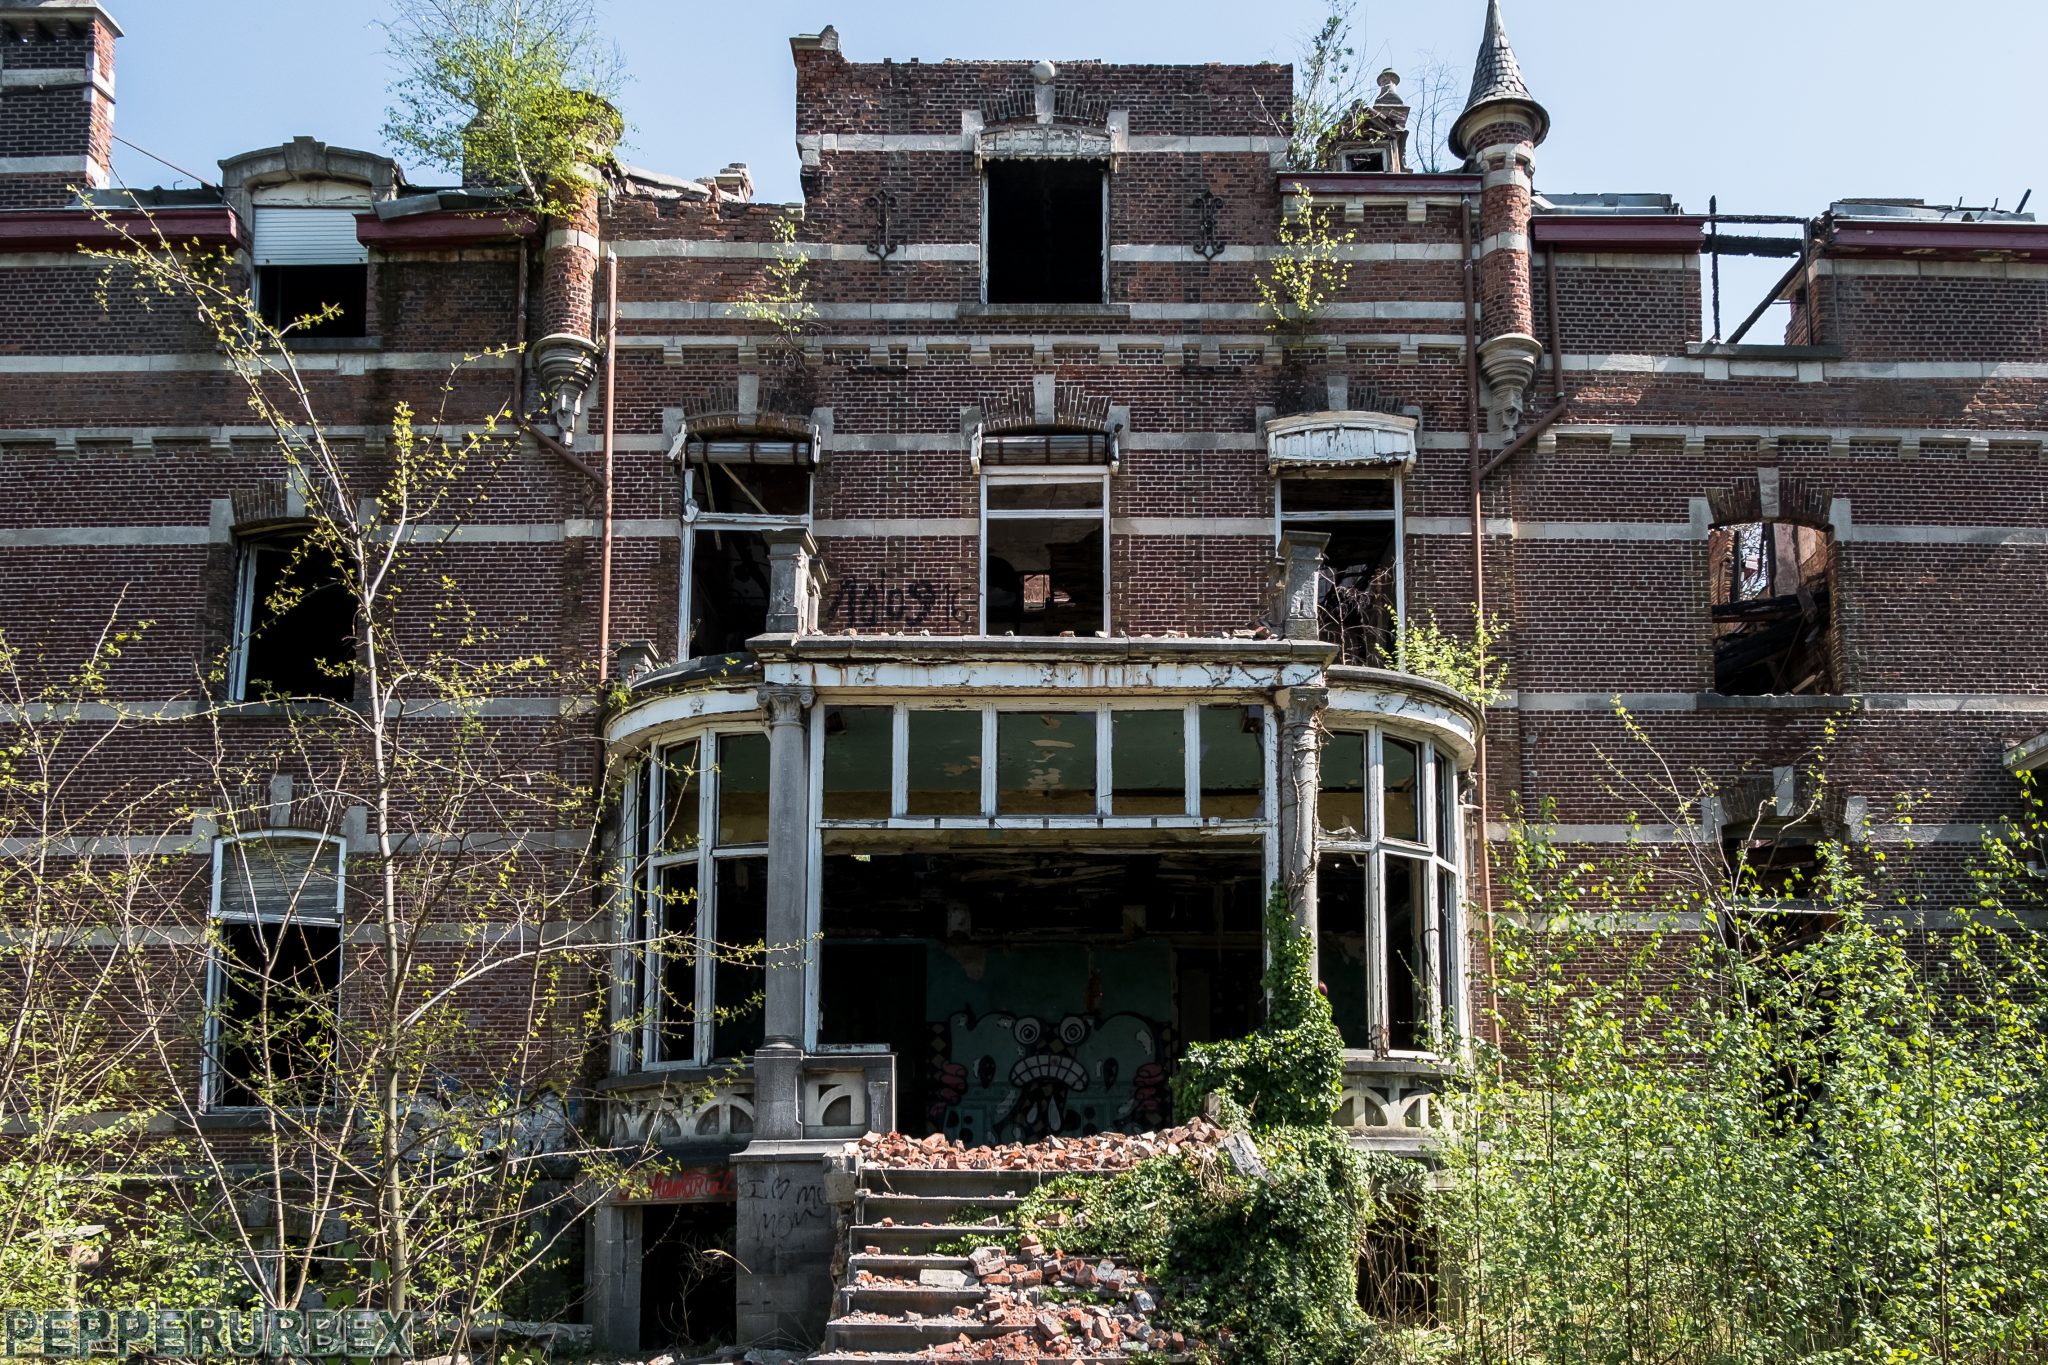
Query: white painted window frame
[[216, 969], [1013, 477], [695, 521], [1375, 846], [705, 856], [1396, 515]]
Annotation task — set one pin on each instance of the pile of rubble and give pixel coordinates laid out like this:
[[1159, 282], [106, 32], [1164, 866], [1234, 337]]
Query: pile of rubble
[[1102, 1152], [1054, 1305]]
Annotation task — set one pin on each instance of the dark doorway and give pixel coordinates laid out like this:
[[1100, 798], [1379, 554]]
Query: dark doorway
[[687, 1284], [1045, 231]]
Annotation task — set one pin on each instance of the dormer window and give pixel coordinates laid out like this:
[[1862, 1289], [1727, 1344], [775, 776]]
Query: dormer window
[[1045, 231], [1370, 161], [309, 264]]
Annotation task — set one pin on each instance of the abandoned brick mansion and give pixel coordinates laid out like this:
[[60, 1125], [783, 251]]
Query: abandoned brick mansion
[[991, 632]]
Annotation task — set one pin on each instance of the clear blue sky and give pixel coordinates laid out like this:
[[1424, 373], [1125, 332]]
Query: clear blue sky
[[1777, 106]]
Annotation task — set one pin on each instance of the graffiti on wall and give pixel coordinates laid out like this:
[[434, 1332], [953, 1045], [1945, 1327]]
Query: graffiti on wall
[[1002, 1077], [865, 604]]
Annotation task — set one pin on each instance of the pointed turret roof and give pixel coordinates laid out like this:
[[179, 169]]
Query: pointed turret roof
[[1496, 79]]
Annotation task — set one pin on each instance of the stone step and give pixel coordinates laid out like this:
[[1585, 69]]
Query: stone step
[[903, 1266], [905, 1334], [955, 1184], [920, 1238], [911, 1300], [872, 1207]]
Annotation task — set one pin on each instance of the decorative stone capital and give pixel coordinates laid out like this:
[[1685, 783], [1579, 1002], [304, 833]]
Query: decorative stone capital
[[785, 703], [565, 364], [1509, 364], [1300, 707]]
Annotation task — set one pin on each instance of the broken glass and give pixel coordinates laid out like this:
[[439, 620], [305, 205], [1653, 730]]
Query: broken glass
[[944, 763], [1045, 763]]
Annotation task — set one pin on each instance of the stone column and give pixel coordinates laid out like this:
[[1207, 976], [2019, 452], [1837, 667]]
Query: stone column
[[612, 1257], [1301, 771], [777, 1064], [1298, 612], [792, 585]]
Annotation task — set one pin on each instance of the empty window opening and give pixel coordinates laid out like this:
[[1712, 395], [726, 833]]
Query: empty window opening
[[1045, 762], [734, 491], [296, 621], [1772, 609], [705, 899], [1044, 555], [1148, 762], [1371, 161], [310, 265], [275, 972], [1358, 599], [1390, 936], [1046, 229]]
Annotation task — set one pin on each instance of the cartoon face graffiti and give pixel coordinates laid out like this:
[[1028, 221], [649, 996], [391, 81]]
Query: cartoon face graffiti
[[1077, 1075]]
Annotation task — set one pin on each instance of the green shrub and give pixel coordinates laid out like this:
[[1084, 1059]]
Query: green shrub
[[1260, 1270], [1291, 1069]]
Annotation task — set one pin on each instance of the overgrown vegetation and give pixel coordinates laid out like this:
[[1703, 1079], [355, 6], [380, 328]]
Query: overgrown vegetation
[[1741, 1119], [1465, 665], [1288, 1071], [507, 93], [1306, 272]]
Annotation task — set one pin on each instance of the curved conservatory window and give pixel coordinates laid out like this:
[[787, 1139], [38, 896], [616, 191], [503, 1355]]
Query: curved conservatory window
[[1390, 934]]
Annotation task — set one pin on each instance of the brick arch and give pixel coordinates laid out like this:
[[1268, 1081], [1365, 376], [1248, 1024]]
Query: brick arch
[[777, 412], [1741, 502], [1072, 409]]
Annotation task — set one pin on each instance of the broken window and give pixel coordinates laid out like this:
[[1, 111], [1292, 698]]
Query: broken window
[[275, 971], [1045, 546], [1233, 761], [1390, 927], [1046, 230], [943, 763], [705, 900], [1045, 762], [1771, 591], [295, 620], [735, 489], [1148, 762], [859, 744], [1359, 590], [310, 265]]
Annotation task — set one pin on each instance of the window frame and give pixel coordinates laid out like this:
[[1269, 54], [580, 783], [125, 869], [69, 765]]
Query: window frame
[[1103, 816], [694, 521], [650, 802], [211, 1072], [247, 547], [1441, 825], [1395, 516], [1102, 299], [353, 256], [1098, 475]]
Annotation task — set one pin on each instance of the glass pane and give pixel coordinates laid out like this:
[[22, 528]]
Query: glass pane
[[1336, 495], [945, 763], [1045, 763], [1449, 949], [1340, 807], [1233, 761], [1400, 817], [1446, 807], [740, 975], [680, 777], [1407, 961], [1044, 496], [675, 1006], [742, 789], [1148, 762], [859, 742], [1340, 944]]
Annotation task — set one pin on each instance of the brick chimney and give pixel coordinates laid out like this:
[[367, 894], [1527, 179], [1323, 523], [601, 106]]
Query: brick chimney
[[56, 100], [1497, 135]]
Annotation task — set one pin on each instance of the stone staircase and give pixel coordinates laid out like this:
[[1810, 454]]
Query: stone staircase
[[903, 1298]]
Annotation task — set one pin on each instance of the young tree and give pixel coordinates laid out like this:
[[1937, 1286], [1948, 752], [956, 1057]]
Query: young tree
[[511, 93]]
